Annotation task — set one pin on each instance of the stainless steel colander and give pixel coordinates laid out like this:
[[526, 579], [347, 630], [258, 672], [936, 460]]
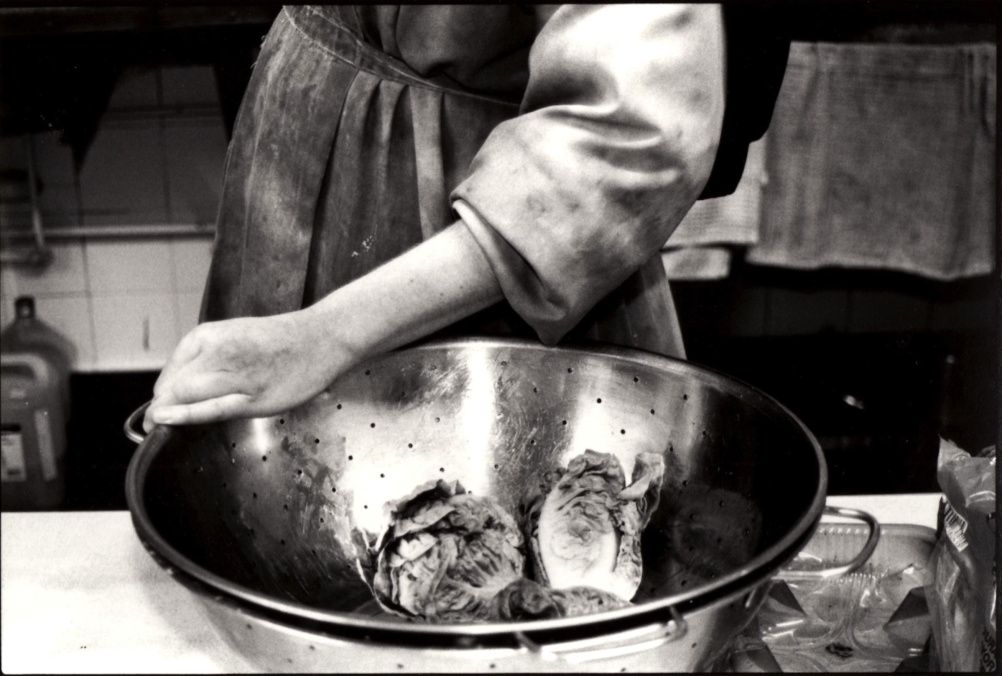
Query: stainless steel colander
[[256, 516]]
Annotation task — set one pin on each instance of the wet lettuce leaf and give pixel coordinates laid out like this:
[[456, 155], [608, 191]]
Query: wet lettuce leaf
[[583, 524], [445, 555], [525, 600], [451, 557]]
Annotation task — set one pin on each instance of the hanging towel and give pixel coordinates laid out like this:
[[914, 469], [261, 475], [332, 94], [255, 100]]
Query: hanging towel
[[699, 263], [696, 249], [732, 219], [883, 156]]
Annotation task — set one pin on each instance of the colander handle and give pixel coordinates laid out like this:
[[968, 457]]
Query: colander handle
[[133, 428], [623, 643], [857, 561]]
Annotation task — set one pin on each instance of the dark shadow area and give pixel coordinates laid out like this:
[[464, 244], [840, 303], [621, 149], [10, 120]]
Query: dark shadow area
[[98, 453], [59, 65], [878, 365]]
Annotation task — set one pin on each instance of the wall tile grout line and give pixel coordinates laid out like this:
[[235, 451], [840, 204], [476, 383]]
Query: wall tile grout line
[[84, 246]]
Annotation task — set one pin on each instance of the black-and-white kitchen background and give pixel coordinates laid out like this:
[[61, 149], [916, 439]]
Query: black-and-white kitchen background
[[870, 309]]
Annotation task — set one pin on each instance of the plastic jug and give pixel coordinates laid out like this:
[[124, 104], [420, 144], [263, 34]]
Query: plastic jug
[[32, 433], [29, 334]]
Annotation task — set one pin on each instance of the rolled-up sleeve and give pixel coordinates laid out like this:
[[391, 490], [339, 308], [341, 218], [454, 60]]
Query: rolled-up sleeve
[[614, 142]]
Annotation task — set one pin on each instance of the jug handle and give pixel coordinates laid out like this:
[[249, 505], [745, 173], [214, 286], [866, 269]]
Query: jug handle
[[857, 561], [132, 428], [615, 645], [40, 368]]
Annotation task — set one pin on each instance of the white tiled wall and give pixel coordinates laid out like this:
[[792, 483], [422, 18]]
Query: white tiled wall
[[61, 296], [188, 305], [71, 315], [157, 157], [124, 304], [191, 259], [65, 275], [135, 331], [123, 267], [135, 289]]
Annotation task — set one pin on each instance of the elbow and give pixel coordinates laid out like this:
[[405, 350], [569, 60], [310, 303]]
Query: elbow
[[549, 315], [686, 153], [550, 337], [704, 143]]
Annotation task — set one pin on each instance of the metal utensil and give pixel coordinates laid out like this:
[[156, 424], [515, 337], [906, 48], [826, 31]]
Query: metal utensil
[[257, 516]]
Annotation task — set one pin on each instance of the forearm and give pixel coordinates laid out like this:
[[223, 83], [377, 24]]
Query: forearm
[[255, 366], [434, 284]]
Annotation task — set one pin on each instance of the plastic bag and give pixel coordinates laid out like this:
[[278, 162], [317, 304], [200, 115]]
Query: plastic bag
[[962, 595], [874, 619]]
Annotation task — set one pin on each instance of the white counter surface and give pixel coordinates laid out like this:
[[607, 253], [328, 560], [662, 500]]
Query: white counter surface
[[81, 595]]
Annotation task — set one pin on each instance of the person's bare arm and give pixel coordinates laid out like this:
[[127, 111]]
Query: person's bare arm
[[616, 139], [258, 366]]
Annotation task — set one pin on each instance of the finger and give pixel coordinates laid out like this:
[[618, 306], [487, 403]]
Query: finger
[[186, 351], [148, 422], [211, 410], [155, 403], [193, 384]]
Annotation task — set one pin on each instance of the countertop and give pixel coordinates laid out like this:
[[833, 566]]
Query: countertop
[[80, 595]]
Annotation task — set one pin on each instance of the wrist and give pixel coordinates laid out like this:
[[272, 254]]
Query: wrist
[[430, 286], [329, 336]]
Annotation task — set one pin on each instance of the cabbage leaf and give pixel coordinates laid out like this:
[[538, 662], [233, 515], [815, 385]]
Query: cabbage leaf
[[584, 524], [524, 600], [445, 555]]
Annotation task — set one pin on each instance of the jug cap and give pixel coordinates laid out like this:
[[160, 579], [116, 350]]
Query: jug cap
[[24, 307]]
